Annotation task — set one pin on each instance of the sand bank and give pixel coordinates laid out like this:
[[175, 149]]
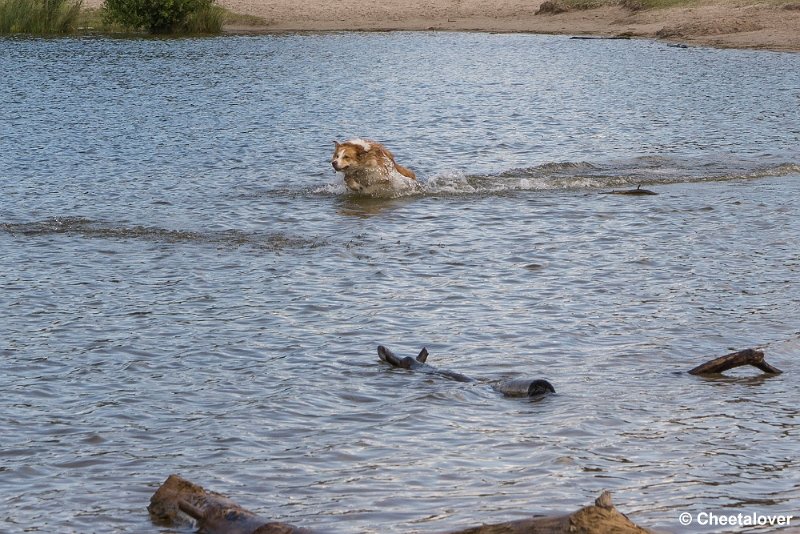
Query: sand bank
[[774, 26], [725, 23]]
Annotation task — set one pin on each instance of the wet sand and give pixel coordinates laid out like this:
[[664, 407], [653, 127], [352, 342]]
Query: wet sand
[[729, 24]]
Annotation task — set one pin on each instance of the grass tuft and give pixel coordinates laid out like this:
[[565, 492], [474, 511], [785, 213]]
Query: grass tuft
[[38, 17], [207, 20], [552, 7], [637, 5], [46, 17]]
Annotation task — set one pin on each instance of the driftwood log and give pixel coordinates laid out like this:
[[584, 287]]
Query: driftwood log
[[600, 518], [735, 359], [177, 500], [520, 387]]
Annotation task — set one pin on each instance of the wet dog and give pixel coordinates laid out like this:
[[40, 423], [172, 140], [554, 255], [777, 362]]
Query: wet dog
[[369, 168]]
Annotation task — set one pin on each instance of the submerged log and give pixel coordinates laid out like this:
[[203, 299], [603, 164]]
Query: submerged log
[[524, 387], [735, 359], [418, 364], [217, 514], [509, 388], [637, 191], [213, 512], [600, 518]]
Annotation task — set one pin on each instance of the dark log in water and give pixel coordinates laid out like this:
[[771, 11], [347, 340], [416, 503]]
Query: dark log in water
[[509, 388], [637, 191], [213, 512], [523, 387], [735, 359], [217, 514], [598, 37], [418, 364]]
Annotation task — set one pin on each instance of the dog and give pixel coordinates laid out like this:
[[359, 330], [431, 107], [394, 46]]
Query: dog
[[369, 168]]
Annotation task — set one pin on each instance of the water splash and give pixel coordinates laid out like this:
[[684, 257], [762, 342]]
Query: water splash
[[581, 175]]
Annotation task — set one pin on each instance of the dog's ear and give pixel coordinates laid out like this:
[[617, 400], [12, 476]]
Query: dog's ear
[[335, 143]]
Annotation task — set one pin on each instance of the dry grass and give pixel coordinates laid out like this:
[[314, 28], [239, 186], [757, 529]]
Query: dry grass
[[552, 7]]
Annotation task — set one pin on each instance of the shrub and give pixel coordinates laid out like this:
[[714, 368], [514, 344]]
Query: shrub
[[38, 16], [164, 16], [552, 7], [633, 5], [206, 20]]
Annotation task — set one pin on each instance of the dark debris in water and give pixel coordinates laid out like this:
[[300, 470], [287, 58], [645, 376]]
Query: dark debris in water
[[87, 228], [634, 192]]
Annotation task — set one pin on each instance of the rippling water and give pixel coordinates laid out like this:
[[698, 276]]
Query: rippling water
[[186, 287]]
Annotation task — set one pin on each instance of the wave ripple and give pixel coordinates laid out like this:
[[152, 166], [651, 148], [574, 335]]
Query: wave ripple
[[91, 229]]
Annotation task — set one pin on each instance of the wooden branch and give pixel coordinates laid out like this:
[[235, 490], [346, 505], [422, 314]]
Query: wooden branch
[[735, 359], [600, 518], [177, 500], [213, 512], [509, 388]]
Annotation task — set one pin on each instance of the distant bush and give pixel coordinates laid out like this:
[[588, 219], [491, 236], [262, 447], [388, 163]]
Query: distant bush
[[633, 5], [38, 16], [554, 7], [165, 16], [638, 5]]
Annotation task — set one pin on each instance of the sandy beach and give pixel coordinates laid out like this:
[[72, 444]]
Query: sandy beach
[[738, 25], [729, 24]]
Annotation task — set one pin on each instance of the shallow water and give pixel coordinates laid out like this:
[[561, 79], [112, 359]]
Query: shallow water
[[186, 287]]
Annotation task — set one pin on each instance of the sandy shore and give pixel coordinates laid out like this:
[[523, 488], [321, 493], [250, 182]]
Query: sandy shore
[[725, 23], [774, 26]]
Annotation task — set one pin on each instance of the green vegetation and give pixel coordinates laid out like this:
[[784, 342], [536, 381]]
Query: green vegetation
[[551, 7], [165, 16], [636, 5], [50, 17], [39, 17], [95, 20], [208, 20]]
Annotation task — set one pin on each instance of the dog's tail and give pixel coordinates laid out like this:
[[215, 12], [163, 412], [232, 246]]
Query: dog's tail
[[408, 173]]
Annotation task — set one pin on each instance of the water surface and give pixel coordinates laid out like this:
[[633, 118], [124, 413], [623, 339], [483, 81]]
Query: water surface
[[187, 288]]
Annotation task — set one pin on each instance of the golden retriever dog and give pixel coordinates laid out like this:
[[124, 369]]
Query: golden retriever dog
[[370, 169]]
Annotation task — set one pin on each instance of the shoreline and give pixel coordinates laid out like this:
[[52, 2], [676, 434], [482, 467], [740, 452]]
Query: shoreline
[[763, 26], [770, 25]]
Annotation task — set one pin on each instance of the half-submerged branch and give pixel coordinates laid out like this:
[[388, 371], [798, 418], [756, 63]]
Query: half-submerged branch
[[217, 514], [213, 512], [600, 518], [521, 387], [735, 359]]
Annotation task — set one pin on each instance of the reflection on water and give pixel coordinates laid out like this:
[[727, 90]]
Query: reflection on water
[[79, 226], [187, 287]]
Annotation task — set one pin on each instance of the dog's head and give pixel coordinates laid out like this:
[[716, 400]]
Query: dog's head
[[350, 155]]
